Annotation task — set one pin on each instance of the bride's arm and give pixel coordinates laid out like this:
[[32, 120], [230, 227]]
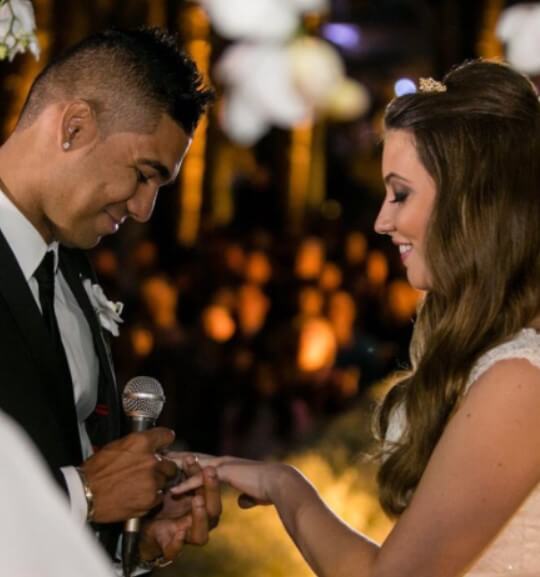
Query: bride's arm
[[484, 466], [329, 545]]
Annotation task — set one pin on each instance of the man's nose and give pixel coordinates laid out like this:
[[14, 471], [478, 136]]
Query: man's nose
[[141, 205]]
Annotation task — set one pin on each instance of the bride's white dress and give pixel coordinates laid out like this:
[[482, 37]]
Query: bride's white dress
[[516, 550]]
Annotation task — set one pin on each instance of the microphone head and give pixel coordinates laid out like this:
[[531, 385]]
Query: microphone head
[[143, 397]]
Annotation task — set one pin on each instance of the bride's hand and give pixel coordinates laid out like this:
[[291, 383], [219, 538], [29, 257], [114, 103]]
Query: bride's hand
[[184, 458], [257, 481]]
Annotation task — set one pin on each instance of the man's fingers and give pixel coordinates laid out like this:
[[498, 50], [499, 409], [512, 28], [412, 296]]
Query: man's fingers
[[191, 465], [158, 438], [198, 534], [163, 538], [126, 475], [166, 468], [212, 495], [174, 547], [174, 507]]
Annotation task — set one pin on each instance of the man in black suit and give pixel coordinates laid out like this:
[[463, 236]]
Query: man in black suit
[[104, 126]]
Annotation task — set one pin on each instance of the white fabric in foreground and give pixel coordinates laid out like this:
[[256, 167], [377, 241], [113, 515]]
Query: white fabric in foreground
[[38, 534]]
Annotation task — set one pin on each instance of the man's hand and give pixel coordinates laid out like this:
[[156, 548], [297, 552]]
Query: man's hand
[[127, 476], [184, 519]]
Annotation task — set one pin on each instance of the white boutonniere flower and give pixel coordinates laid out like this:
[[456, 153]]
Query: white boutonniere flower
[[108, 312]]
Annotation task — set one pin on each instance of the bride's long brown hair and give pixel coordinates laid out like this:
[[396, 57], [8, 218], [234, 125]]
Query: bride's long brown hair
[[479, 140]]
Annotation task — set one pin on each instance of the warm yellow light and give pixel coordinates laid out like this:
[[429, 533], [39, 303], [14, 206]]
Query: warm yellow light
[[258, 267], [489, 46], [218, 323], [356, 248], [160, 298], [310, 302], [195, 26], [253, 306], [300, 163], [142, 341], [317, 347], [331, 277], [377, 267], [342, 314], [309, 259], [402, 300]]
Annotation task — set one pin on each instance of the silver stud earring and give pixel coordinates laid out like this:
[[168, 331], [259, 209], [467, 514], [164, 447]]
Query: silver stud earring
[[66, 145]]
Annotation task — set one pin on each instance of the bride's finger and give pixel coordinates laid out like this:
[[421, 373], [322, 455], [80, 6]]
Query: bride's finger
[[203, 459], [189, 484]]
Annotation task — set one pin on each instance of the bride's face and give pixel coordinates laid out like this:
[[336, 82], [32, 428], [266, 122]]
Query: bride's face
[[408, 203]]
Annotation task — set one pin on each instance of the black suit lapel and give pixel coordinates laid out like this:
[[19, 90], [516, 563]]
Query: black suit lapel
[[104, 424], [22, 305]]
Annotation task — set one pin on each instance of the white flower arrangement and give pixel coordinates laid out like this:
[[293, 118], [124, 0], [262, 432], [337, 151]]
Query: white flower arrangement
[[273, 75], [17, 29], [107, 311], [519, 29]]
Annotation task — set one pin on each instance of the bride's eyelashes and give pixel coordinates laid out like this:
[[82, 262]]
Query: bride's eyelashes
[[400, 196]]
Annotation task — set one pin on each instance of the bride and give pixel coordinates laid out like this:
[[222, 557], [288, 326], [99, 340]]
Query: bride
[[460, 466]]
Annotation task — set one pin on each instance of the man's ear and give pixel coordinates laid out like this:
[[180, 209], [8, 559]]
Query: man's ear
[[78, 127]]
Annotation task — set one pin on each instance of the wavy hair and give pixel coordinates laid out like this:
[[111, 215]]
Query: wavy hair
[[479, 141]]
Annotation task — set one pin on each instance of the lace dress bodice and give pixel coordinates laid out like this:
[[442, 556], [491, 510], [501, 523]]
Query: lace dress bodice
[[516, 550]]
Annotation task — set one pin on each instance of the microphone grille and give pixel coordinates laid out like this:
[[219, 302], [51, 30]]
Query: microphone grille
[[143, 397]]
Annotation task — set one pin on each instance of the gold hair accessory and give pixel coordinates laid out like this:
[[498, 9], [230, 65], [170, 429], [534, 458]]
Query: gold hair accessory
[[431, 85]]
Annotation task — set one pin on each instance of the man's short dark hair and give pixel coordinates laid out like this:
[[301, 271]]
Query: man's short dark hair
[[129, 77]]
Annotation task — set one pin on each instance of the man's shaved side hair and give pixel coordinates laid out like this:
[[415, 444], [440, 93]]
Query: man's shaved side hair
[[130, 78]]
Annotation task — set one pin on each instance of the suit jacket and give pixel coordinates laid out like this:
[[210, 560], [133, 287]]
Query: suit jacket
[[32, 390]]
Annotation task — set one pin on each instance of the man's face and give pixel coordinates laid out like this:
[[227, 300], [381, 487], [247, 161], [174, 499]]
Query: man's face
[[117, 178]]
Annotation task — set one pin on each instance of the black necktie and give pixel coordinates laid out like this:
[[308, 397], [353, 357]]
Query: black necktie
[[45, 278]]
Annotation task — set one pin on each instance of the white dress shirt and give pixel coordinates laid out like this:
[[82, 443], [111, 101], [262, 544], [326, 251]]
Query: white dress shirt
[[29, 249]]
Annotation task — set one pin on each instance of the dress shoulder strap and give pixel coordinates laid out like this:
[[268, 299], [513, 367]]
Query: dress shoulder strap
[[524, 345]]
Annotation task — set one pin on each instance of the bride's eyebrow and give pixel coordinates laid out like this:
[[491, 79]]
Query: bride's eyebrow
[[394, 175]]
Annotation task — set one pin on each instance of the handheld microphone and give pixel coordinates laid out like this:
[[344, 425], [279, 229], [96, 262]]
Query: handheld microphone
[[143, 401]]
